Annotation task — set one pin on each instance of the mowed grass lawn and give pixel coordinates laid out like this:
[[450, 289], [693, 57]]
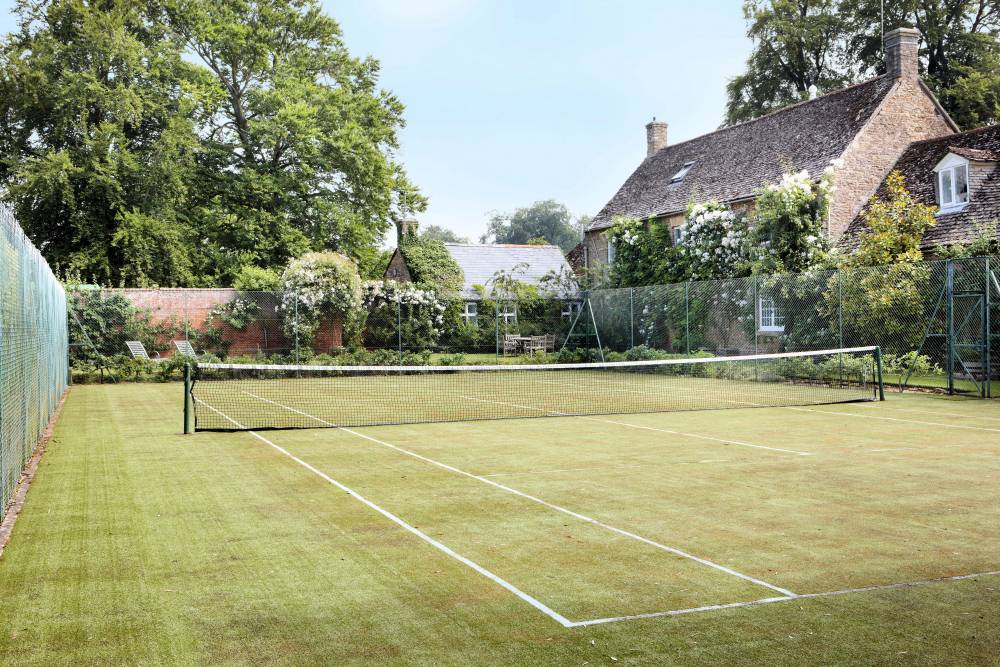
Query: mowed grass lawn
[[140, 546]]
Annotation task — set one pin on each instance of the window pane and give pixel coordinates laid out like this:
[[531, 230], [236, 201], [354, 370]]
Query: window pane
[[961, 184], [946, 197]]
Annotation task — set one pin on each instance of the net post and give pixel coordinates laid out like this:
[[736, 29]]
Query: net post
[[187, 399], [878, 373]]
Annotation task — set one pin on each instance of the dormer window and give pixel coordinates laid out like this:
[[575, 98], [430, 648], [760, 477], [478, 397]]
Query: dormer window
[[952, 183], [679, 176]]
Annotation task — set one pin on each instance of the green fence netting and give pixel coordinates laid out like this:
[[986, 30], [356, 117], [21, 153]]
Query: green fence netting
[[33, 351]]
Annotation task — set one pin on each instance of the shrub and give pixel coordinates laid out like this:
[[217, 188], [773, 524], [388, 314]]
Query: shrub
[[321, 285]]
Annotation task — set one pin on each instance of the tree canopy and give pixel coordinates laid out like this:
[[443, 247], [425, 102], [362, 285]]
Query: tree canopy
[[174, 142], [443, 234], [548, 220], [832, 43]]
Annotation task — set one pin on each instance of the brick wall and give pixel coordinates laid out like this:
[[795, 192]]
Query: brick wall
[[189, 311], [907, 114]]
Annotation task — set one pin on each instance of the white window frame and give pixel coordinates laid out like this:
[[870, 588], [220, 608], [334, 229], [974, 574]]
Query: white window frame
[[569, 310], [677, 235], [947, 174], [769, 317], [470, 313], [508, 313]]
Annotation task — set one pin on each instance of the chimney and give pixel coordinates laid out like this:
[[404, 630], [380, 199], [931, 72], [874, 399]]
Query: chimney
[[404, 228], [901, 46], [656, 136]]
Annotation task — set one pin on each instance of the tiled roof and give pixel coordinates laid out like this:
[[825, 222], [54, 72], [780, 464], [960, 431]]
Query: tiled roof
[[729, 164], [917, 167], [481, 262]]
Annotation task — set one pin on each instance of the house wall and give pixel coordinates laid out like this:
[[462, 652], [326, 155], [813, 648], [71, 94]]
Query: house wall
[[907, 114], [397, 269]]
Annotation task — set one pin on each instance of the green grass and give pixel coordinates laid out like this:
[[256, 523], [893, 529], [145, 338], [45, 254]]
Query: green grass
[[140, 546]]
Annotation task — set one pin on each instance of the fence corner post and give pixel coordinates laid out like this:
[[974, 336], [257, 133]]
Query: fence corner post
[[878, 373]]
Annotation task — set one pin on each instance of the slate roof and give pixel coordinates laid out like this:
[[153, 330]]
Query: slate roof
[[729, 164], [480, 262], [917, 166]]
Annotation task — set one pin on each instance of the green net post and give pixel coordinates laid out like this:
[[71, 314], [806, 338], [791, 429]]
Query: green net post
[[187, 399], [878, 373]]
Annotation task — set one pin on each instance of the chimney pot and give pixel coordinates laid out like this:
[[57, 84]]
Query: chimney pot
[[656, 136], [901, 53]]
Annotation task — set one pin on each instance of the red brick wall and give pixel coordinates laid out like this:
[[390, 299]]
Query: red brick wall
[[193, 306]]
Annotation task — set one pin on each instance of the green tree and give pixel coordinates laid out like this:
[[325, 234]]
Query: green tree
[[298, 139], [442, 234], [97, 139], [547, 220], [885, 283], [832, 43], [797, 44]]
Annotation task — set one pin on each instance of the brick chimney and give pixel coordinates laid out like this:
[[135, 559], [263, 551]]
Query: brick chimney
[[901, 47], [656, 136], [405, 227]]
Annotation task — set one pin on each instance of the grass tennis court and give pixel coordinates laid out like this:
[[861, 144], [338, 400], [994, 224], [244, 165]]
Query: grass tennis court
[[725, 536]]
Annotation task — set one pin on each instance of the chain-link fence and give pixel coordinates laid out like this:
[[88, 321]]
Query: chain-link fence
[[33, 340], [937, 322]]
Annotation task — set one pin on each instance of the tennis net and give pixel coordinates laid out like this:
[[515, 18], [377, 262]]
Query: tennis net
[[233, 397]]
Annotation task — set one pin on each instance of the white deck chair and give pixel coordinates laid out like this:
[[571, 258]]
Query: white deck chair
[[138, 350], [185, 347]]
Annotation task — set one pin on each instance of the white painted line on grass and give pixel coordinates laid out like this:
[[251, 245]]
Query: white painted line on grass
[[725, 441], [898, 419], [786, 598], [521, 473], [575, 515], [958, 415], [559, 618]]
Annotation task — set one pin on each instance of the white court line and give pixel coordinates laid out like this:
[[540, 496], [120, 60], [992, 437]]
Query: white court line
[[575, 515], [899, 419], [757, 603], [558, 470], [935, 412], [559, 618], [725, 441]]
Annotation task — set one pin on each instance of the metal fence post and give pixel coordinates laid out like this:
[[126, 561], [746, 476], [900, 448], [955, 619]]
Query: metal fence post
[[631, 317], [296, 326], [687, 319], [950, 323], [399, 326], [496, 325], [187, 399], [756, 314], [987, 332]]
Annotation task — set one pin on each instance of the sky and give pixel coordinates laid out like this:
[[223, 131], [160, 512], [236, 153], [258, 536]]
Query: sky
[[509, 102]]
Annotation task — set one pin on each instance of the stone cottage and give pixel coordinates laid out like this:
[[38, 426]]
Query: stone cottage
[[863, 130]]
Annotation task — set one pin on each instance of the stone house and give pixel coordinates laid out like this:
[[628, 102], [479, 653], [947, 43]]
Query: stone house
[[861, 130], [960, 175], [530, 264]]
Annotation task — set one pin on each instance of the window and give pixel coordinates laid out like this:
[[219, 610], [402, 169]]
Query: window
[[508, 313], [570, 310], [677, 234], [611, 251], [952, 182], [679, 176], [469, 312], [769, 318]]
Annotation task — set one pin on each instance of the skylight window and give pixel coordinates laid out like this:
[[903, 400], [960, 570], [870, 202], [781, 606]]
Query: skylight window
[[679, 176]]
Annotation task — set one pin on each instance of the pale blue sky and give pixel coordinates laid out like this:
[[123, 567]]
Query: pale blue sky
[[509, 102]]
